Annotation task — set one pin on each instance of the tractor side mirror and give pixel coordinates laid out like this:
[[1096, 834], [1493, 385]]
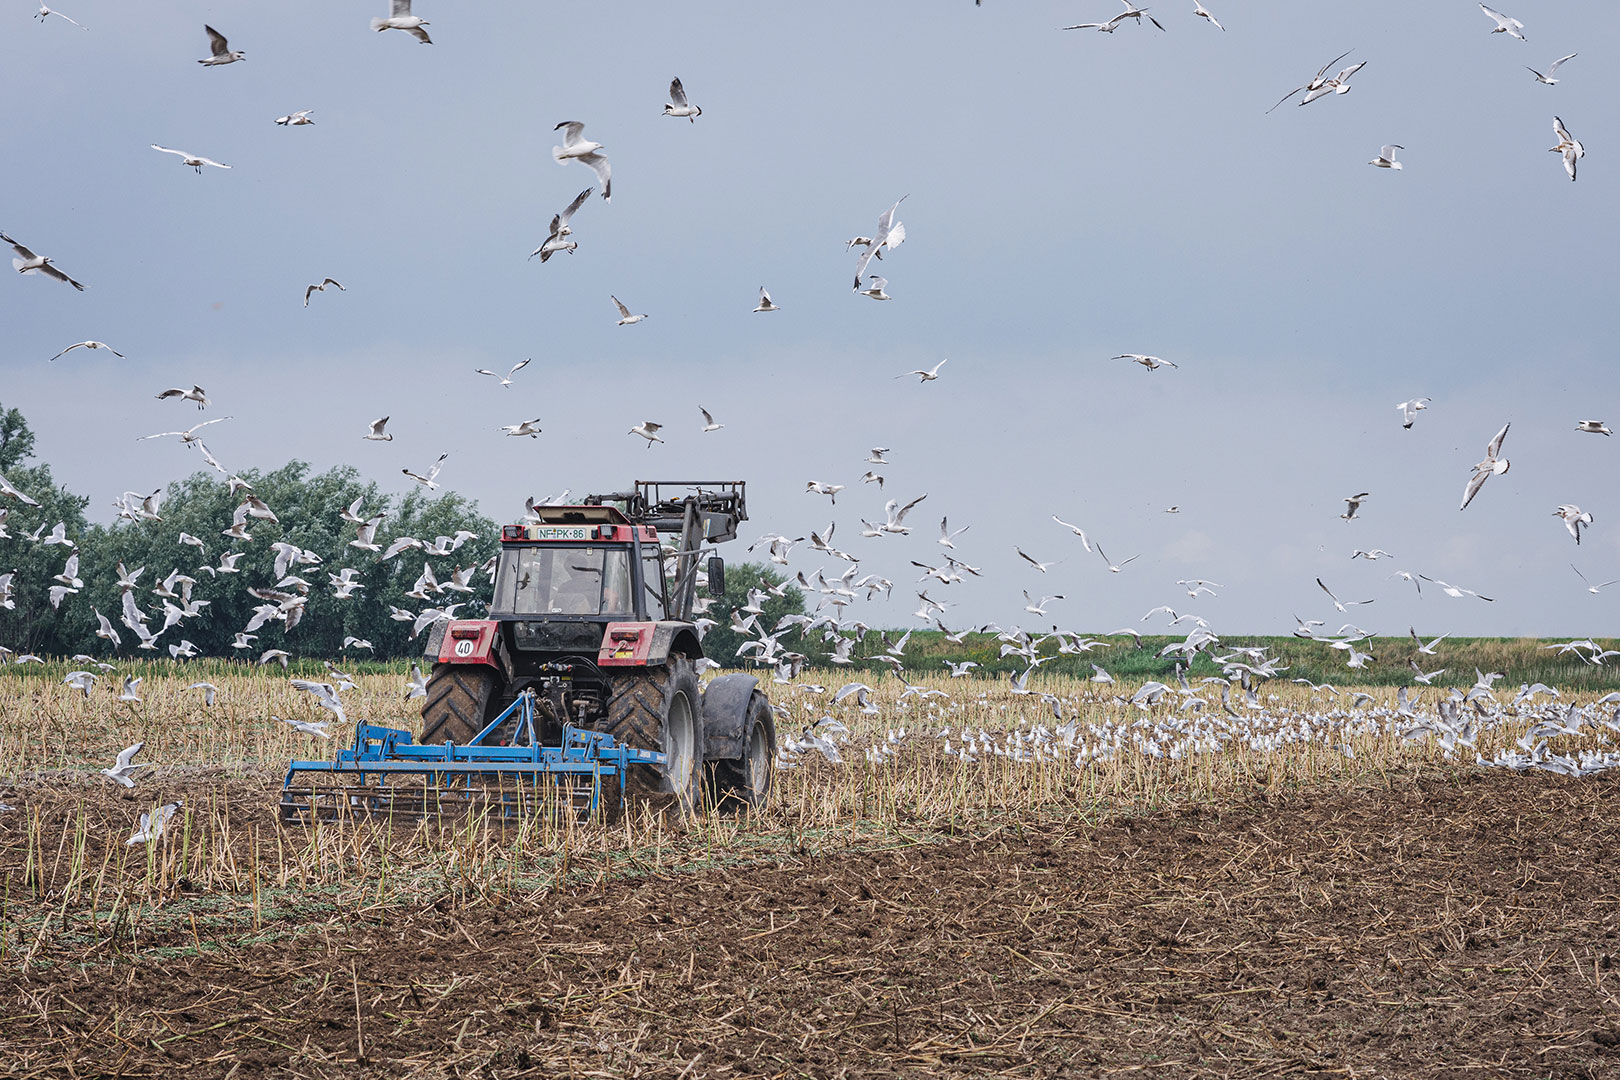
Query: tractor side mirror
[[717, 576]]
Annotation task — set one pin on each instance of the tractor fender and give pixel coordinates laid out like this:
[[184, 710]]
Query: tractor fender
[[646, 644], [466, 641], [725, 716]]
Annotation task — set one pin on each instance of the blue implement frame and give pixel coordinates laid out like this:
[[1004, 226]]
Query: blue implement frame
[[502, 778]]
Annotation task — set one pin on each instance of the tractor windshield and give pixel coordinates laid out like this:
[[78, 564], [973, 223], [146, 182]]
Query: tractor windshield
[[555, 580]]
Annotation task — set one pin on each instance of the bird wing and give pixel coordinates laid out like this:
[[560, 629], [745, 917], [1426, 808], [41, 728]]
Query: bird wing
[[217, 44], [677, 92], [571, 130], [579, 201], [1475, 482], [1558, 129], [901, 516], [519, 367], [50, 271], [1495, 446], [1327, 590], [624, 312], [707, 419], [1558, 63], [309, 290], [604, 172], [1344, 76], [437, 465], [399, 8], [1388, 152], [126, 755]]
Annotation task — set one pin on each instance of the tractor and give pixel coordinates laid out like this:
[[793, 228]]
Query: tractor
[[591, 626]]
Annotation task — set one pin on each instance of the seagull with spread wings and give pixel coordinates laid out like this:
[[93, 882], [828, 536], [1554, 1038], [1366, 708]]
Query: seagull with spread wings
[[561, 229], [219, 50], [1493, 465], [428, 481], [678, 106], [576, 147], [27, 262], [400, 18], [88, 345], [506, 380], [196, 161], [312, 289]]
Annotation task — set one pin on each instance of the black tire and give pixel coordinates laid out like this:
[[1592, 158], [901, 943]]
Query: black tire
[[457, 706], [742, 785], [659, 708]]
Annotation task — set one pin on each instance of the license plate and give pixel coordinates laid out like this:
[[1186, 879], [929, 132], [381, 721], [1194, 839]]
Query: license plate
[[561, 532]]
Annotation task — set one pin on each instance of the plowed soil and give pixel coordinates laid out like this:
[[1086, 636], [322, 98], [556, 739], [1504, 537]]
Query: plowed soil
[[1457, 927]]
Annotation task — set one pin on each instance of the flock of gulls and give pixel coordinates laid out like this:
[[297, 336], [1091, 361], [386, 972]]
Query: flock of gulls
[[1158, 719]]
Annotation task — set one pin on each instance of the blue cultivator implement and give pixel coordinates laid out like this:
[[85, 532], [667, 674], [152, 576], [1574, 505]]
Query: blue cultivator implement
[[387, 774]]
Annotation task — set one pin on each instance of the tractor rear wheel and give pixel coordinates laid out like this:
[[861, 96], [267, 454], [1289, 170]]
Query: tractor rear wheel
[[458, 702], [658, 708], [744, 784]]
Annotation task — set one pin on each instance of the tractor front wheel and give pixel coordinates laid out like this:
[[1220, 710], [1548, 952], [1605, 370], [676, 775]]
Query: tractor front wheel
[[658, 709], [458, 702]]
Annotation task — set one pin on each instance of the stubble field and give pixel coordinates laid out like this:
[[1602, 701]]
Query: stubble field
[[1295, 890]]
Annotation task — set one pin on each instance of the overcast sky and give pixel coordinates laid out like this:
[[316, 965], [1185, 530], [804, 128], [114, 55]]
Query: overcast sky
[[1071, 196]]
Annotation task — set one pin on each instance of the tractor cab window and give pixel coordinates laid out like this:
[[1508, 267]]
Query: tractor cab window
[[653, 574], [555, 580]]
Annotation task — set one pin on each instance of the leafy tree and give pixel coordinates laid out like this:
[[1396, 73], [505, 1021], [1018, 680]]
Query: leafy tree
[[32, 625], [721, 642]]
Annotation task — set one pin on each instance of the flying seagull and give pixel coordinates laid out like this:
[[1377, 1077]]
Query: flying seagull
[[1505, 24], [432, 473], [1568, 145], [297, 119], [1339, 84], [1341, 606], [1203, 13], [187, 157], [1386, 157], [1547, 79], [27, 262], [312, 289], [924, 376], [219, 50], [677, 105], [531, 428], [560, 229], [1593, 427], [1591, 588], [575, 147], [88, 345], [400, 18], [708, 420], [765, 302], [1152, 363], [1574, 517], [44, 13], [1410, 409], [1493, 465], [890, 234], [874, 288], [506, 380], [625, 318], [1316, 82], [648, 430], [123, 770]]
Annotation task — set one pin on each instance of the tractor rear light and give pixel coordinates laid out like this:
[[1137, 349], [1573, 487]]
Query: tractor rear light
[[511, 532], [461, 632], [625, 635]]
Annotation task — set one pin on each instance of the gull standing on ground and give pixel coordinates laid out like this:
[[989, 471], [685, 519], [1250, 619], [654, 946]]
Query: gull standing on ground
[[1386, 157], [625, 318], [115, 352], [1315, 84], [1574, 517], [195, 161], [321, 288], [1591, 588], [1203, 13], [576, 147], [708, 420], [44, 13], [1568, 145], [219, 49], [376, 434], [677, 105], [765, 303], [560, 228], [507, 379], [1493, 465], [297, 119], [400, 18], [926, 376], [1547, 79], [1410, 409], [27, 262], [1592, 427], [1505, 24], [648, 430]]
